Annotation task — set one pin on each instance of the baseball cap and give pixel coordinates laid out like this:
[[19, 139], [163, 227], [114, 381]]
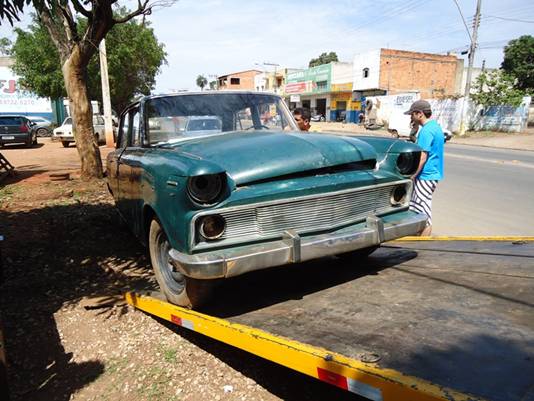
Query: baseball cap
[[419, 105]]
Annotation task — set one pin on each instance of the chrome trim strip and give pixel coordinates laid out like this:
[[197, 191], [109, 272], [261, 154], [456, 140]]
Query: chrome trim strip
[[252, 206], [236, 261]]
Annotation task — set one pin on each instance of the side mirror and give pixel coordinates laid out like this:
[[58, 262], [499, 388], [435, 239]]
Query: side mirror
[[32, 124]]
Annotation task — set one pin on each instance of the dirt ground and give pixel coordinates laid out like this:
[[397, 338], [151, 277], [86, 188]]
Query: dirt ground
[[64, 245]]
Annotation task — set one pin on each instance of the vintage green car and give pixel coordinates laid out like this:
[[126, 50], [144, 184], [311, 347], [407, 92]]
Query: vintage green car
[[218, 184]]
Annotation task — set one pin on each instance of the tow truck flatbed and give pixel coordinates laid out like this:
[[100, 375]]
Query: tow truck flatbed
[[418, 320]]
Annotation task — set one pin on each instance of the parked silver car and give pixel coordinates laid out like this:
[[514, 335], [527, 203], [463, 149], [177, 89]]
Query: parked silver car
[[42, 126]]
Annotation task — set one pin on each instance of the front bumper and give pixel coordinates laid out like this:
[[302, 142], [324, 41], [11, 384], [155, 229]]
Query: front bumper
[[293, 248]]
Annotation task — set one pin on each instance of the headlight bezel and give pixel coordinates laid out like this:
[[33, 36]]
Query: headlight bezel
[[204, 220], [408, 162], [206, 189]]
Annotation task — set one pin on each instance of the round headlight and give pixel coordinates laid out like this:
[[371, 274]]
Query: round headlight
[[398, 195], [408, 162], [205, 189], [212, 227]]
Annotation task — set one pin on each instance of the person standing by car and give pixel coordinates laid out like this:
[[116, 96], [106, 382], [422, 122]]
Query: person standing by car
[[302, 117], [430, 170]]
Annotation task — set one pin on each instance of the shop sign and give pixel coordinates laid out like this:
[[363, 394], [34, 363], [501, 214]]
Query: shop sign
[[294, 98], [315, 74], [295, 87], [345, 87], [14, 99]]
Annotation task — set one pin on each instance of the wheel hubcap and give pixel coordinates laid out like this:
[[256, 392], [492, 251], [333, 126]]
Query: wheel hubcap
[[172, 276]]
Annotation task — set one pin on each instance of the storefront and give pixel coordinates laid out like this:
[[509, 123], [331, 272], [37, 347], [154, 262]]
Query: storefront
[[310, 88], [342, 107]]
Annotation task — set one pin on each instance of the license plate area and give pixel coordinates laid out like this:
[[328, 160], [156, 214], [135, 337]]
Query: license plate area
[[8, 137]]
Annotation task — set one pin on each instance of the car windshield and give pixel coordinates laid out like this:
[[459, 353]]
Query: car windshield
[[182, 117]]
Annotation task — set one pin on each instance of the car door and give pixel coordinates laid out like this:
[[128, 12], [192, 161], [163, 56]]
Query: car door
[[130, 175], [123, 138]]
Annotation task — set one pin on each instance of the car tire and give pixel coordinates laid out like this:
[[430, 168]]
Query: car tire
[[43, 132], [29, 143], [65, 144], [177, 288], [358, 254]]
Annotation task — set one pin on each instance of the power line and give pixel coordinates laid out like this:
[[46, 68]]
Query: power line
[[511, 19], [463, 20]]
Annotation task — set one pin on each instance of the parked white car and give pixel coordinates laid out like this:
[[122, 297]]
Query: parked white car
[[64, 133]]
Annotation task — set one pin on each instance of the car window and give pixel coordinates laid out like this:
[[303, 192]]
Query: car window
[[68, 121], [10, 121], [123, 130], [136, 137], [244, 119], [98, 120]]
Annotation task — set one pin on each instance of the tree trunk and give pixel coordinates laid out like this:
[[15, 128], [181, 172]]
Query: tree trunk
[[74, 73]]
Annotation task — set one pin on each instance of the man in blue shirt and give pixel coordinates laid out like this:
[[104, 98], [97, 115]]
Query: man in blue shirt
[[430, 170]]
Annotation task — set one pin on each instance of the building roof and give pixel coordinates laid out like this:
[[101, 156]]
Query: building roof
[[238, 72]]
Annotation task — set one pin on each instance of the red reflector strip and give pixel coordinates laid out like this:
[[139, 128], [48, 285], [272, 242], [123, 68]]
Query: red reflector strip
[[177, 320], [354, 386], [333, 378], [188, 324]]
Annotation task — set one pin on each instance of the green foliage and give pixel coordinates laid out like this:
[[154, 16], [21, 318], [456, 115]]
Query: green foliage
[[519, 62], [134, 59], [494, 89], [213, 85], [202, 81], [324, 58], [5, 46]]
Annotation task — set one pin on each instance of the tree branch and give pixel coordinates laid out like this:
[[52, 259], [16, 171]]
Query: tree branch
[[81, 9], [69, 22], [55, 34], [142, 9]]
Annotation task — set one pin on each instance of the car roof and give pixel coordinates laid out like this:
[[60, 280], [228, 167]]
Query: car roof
[[204, 93]]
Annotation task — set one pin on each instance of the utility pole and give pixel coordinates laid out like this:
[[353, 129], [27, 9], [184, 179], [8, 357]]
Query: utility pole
[[106, 100], [471, 61]]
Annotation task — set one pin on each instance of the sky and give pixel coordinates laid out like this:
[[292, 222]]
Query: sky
[[216, 37]]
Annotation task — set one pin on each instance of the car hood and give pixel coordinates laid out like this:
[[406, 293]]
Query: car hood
[[253, 156]]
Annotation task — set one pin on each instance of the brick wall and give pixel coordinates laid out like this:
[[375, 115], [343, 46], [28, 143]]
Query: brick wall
[[433, 75], [246, 80]]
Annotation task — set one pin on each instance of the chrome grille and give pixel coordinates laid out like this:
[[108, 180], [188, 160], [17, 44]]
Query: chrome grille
[[306, 214]]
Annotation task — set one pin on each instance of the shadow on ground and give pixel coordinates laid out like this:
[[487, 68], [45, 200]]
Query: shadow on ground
[[54, 256]]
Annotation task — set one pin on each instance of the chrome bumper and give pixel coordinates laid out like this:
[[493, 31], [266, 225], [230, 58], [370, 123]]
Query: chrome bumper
[[293, 248]]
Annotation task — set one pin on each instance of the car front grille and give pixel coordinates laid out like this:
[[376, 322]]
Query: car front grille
[[305, 214]]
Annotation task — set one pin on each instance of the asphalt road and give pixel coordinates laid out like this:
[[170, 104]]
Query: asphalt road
[[486, 191]]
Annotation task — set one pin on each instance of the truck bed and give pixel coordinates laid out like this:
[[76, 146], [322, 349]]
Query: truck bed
[[456, 314]]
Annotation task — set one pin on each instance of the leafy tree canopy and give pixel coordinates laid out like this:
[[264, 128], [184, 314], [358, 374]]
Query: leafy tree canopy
[[496, 88], [134, 59], [324, 58], [519, 62], [202, 81]]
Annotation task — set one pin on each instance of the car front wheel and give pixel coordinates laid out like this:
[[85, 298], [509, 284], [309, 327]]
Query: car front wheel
[[177, 288], [65, 144]]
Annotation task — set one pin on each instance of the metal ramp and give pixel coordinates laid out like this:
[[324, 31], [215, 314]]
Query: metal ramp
[[419, 320]]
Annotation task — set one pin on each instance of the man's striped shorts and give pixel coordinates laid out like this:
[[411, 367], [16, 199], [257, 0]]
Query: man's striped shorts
[[421, 201]]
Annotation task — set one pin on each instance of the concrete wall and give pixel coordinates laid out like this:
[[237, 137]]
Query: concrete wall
[[371, 61], [433, 75]]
